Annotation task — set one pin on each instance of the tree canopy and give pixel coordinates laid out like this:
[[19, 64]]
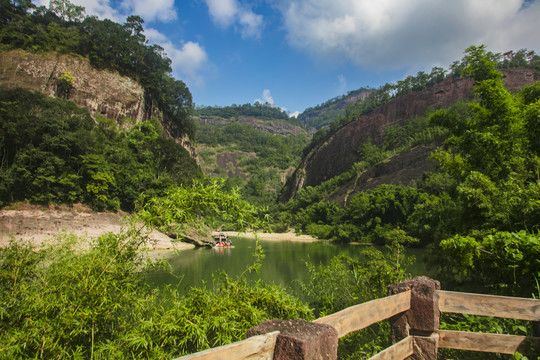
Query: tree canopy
[[52, 151]]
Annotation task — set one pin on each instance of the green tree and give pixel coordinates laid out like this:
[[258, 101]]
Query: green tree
[[489, 151]]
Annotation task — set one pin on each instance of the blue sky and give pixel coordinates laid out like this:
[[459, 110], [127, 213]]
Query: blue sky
[[299, 53]]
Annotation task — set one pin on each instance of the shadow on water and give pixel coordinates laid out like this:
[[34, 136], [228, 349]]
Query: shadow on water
[[283, 263]]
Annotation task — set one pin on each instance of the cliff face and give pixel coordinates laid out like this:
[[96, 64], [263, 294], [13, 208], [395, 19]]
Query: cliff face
[[340, 151], [100, 91]]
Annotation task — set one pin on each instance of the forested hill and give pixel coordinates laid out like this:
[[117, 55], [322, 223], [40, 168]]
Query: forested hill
[[63, 28], [322, 115], [252, 146], [90, 113], [257, 110]]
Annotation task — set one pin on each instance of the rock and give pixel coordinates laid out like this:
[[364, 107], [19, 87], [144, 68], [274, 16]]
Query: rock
[[300, 339], [100, 91], [197, 237]]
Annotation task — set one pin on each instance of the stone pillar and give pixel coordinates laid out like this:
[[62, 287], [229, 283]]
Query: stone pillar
[[422, 320], [300, 339]]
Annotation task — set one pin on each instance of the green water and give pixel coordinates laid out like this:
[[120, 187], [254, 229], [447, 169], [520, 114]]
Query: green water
[[283, 263]]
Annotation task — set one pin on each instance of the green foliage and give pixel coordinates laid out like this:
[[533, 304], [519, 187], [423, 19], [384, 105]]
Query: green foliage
[[74, 301], [498, 262], [67, 10], [275, 154], [51, 151], [181, 208], [65, 83], [493, 150]]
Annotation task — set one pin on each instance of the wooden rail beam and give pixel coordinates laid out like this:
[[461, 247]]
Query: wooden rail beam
[[363, 315], [493, 343], [489, 305], [259, 347], [399, 351]]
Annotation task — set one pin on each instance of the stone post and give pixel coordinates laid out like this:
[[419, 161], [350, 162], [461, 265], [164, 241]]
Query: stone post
[[422, 320], [300, 339]]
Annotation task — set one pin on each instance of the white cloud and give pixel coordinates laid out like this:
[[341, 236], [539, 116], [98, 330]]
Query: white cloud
[[223, 12], [342, 84], [294, 114], [162, 10], [266, 98], [188, 61], [251, 24], [396, 33], [227, 13]]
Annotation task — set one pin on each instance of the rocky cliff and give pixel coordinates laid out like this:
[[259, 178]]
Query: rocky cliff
[[102, 92], [338, 152]]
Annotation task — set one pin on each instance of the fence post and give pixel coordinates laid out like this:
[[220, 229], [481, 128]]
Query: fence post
[[422, 321], [300, 339]]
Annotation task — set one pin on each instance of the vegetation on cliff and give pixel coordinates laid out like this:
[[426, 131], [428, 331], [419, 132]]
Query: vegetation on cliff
[[330, 116]]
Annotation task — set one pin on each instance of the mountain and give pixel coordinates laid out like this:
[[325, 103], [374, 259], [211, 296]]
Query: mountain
[[337, 152], [322, 115], [253, 147]]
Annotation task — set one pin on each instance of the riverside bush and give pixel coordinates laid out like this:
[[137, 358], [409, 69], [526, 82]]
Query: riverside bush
[[72, 299]]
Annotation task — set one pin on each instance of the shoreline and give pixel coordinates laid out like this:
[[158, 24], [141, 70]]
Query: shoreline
[[37, 224], [288, 236]]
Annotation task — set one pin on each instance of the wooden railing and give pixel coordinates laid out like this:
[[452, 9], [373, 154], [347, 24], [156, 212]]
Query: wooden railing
[[413, 309], [488, 305], [361, 316]]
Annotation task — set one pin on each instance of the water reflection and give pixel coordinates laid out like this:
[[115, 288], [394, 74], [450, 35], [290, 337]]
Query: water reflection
[[222, 250], [283, 263]]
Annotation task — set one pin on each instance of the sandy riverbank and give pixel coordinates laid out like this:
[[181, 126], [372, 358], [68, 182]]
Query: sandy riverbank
[[37, 224]]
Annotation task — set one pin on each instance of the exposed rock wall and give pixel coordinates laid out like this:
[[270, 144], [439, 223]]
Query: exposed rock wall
[[100, 91], [340, 151]]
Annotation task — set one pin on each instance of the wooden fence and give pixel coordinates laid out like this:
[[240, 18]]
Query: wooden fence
[[414, 308]]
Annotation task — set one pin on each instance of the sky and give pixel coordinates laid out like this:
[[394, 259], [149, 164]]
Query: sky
[[296, 54]]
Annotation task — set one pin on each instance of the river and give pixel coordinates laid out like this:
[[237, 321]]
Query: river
[[283, 263]]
